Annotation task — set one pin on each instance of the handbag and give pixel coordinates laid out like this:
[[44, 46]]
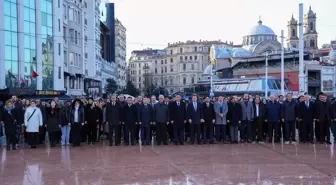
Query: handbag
[[31, 115]]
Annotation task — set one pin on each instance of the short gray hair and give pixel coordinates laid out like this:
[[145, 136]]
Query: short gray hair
[[161, 96]]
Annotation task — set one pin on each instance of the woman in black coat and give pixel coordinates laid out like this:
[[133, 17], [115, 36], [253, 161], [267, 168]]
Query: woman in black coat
[[53, 123], [9, 117]]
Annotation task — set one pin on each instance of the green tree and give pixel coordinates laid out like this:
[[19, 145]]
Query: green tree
[[149, 90], [160, 91], [130, 89], [111, 86]]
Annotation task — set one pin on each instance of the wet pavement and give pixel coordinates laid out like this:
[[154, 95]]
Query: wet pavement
[[197, 164]]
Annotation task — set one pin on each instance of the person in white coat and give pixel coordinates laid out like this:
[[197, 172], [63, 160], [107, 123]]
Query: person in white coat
[[33, 120]]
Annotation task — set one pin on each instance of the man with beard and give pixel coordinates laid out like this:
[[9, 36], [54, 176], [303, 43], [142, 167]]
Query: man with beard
[[113, 118], [324, 117], [209, 116], [234, 119], [288, 115], [129, 121], [178, 117], [92, 118]]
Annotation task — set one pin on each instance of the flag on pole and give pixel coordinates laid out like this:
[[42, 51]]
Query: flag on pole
[[34, 74]]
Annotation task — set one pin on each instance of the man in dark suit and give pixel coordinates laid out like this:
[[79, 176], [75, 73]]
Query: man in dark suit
[[145, 118], [259, 118], [129, 119], [161, 119], [234, 119], [323, 116], [138, 105], [178, 117], [112, 118], [306, 118], [208, 117], [194, 117], [122, 102]]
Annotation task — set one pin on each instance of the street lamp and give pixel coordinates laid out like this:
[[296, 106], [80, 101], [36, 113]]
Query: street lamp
[[211, 81]]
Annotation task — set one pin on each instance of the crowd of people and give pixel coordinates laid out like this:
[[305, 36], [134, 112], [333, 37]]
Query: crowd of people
[[132, 121]]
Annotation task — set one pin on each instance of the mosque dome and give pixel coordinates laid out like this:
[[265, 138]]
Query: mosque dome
[[258, 34], [261, 29]]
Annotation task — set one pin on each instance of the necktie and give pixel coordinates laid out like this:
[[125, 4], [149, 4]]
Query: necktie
[[195, 106], [307, 105]]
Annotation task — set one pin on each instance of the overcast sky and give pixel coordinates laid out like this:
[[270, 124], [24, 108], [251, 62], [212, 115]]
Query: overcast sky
[[154, 23]]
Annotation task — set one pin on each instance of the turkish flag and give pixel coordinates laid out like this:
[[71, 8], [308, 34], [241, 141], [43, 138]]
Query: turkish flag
[[34, 74]]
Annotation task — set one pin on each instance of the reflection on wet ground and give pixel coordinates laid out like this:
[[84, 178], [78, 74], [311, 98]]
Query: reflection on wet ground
[[198, 164]]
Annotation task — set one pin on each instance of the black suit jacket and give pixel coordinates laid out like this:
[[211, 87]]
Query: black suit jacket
[[323, 111], [145, 115], [208, 113], [195, 116], [130, 114], [262, 111], [113, 114], [178, 114], [307, 114]]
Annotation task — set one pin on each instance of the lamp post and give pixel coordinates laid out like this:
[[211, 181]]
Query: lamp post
[[266, 75], [282, 64], [212, 94]]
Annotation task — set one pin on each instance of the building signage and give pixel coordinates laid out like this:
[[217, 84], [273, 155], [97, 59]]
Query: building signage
[[55, 93], [21, 91], [327, 79]]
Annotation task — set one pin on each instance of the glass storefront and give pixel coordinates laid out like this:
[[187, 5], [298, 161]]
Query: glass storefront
[[11, 43], [47, 44], [29, 26]]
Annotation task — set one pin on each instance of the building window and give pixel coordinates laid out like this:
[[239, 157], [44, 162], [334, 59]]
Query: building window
[[161, 62], [312, 43], [165, 69], [71, 35], [165, 61], [195, 57], [195, 49], [59, 49], [139, 79], [171, 81], [192, 80], [181, 50], [171, 51], [311, 26], [58, 3], [59, 25], [190, 57], [171, 60], [71, 59], [184, 80], [181, 58], [184, 66], [186, 58], [192, 66], [171, 68], [293, 33], [59, 73], [71, 14], [76, 37], [155, 70]]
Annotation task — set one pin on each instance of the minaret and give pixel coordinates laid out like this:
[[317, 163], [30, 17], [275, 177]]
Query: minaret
[[310, 33], [292, 39]]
